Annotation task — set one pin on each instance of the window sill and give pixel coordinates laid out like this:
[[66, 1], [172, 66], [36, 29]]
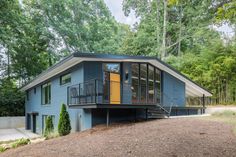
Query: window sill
[[66, 84], [45, 105]]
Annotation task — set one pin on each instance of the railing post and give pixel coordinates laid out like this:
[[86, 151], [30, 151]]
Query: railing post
[[79, 94], [95, 92], [68, 96]]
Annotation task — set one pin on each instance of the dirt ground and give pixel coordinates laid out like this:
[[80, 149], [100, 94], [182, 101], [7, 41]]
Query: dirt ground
[[169, 137]]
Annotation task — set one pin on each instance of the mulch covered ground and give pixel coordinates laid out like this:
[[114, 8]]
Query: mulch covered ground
[[169, 137]]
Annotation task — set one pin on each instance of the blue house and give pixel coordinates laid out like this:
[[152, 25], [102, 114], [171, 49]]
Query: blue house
[[103, 88]]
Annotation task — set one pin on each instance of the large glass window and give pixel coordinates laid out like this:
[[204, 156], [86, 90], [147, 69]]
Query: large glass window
[[143, 82], [150, 84], [46, 93], [65, 79], [158, 85], [146, 83], [111, 67], [135, 82]]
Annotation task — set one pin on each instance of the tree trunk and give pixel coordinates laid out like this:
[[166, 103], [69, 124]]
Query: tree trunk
[[180, 30], [158, 29], [163, 53], [8, 64]]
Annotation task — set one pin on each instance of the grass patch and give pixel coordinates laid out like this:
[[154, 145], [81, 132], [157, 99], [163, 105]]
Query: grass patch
[[6, 142], [226, 116], [2, 149], [51, 135], [20, 142]]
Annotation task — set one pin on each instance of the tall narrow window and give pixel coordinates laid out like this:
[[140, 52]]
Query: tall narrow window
[[135, 82], [65, 79], [46, 93], [27, 95], [157, 85], [143, 82], [150, 84], [44, 119]]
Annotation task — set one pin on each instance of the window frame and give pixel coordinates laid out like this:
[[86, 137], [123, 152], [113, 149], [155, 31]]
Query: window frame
[[105, 70], [27, 95], [155, 96], [137, 99], [66, 82], [44, 118], [153, 84], [49, 94]]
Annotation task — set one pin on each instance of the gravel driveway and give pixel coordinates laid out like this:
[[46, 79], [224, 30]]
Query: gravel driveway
[[169, 137]]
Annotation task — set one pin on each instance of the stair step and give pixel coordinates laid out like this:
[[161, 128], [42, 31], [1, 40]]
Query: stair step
[[156, 112], [157, 117]]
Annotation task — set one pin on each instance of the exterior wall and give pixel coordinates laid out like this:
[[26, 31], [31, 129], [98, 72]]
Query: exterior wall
[[12, 122], [58, 96], [173, 90]]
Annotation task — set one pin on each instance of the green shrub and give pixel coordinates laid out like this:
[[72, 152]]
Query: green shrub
[[64, 126], [2, 149], [49, 126], [20, 142]]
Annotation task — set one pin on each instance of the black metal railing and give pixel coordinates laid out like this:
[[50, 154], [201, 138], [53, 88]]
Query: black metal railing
[[100, 92]]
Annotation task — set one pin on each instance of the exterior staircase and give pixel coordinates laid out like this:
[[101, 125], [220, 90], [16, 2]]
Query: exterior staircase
[[159, 112]]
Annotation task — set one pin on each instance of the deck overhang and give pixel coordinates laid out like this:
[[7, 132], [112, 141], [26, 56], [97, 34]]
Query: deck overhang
[[115, 106]]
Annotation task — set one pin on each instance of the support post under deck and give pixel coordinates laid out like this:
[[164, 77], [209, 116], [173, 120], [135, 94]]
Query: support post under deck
[[146, 114], [203, 103], [108, 116]]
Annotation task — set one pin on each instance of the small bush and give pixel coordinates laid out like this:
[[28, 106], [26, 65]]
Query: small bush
[[20, 142], [64, 126], [2, 149], [49, 126]]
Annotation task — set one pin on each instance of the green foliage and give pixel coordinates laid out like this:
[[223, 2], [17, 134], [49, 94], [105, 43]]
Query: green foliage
[[12, 100], [64, 126], [49, 126], [20, 142], [2, 149], [227, 12]]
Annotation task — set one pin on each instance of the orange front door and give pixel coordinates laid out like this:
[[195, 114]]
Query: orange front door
[[114, 88]]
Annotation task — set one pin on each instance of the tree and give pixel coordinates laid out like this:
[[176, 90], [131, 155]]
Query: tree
[[226, 10], [64, 126], [49, 126], [11, 99]]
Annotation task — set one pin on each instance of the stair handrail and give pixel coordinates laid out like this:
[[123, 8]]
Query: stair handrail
[[170, 107]]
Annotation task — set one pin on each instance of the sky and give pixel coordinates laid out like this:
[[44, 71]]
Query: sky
[[115, 6]]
